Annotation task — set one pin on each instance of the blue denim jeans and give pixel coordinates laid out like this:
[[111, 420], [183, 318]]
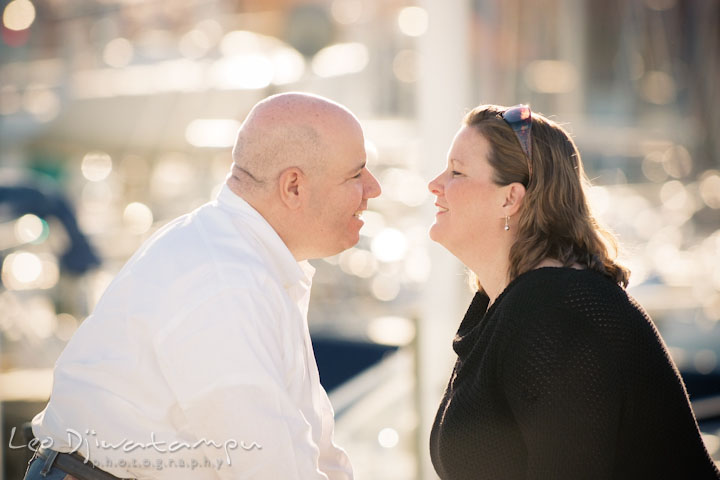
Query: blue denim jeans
[[41, 468]]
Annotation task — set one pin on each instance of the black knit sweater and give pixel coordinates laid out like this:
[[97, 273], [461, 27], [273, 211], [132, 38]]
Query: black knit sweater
[[564, 377]]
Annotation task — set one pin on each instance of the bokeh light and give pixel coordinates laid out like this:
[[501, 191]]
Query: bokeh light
[[118, 52], [96, 166], [242, 42], [97, 197], [647, 222], [636, 65], [137, 217], [179, 76], [677, 161], [135, 79], [405, 66], [25, 267], [41, 320], [391, 330], [653, 168], [212, 132], [405, 186], [340, 59], [374, 222], [346, 12], [194, 44], [675, 197], [212, 29], [135, 169], [417, 266], [28, 228], [155, 44], [23, 270], [65, 326], [413, 21], [42, 102], [705, 361], [18, 15], [385, 287], [172, 175], [242, 72], [95, 83], [388, 437], [288, 65], [358, 262], [389, 245], [657, 87], [710, 188], [599, 200]]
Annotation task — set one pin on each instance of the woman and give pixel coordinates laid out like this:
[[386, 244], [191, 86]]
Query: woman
[[560, 374]]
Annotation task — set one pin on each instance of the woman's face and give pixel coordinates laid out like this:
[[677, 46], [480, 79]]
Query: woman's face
[[469, 203]]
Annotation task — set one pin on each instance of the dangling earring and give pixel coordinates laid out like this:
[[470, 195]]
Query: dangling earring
[[507, 224]]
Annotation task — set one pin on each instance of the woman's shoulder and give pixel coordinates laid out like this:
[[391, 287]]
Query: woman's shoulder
[[567, 314], [564, 285], [558, 293], [540, 288]]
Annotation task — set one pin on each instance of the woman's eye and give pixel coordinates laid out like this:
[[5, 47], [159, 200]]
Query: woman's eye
[[455, 172]]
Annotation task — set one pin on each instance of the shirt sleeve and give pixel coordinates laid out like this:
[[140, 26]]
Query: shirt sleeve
[[228, 368], [562, 389]]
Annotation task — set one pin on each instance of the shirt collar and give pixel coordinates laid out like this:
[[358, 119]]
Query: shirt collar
[[281, 260]]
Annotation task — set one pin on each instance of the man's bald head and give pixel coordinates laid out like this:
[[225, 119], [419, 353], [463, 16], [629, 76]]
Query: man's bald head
[[300, 162], [282, 131]]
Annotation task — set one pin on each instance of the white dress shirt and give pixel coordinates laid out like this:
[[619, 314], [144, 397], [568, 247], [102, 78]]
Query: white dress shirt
[[197, 362]]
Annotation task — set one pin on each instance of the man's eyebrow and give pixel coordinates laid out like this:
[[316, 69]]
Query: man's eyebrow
[[357, 169]]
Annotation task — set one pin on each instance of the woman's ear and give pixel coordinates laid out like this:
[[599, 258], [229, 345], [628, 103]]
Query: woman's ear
[[291, 184], [514, 195]]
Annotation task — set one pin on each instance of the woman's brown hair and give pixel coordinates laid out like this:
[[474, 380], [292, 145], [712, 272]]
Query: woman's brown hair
[[555, 220]]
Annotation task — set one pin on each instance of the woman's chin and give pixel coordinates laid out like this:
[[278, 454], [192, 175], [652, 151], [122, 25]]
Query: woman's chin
[[435, 233]]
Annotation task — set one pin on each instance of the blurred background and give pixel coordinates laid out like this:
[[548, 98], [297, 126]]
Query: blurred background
[[118, 115]]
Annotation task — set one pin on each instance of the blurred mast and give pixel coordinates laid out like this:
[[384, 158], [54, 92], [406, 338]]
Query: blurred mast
[[442, 99]]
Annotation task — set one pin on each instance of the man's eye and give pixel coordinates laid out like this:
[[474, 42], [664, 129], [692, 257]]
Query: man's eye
[[358, 175]]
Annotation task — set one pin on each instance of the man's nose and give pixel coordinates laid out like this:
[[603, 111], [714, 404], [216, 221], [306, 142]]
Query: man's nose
[[372, 186]]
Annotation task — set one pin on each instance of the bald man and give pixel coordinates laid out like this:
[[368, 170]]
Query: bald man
[[197, 363]]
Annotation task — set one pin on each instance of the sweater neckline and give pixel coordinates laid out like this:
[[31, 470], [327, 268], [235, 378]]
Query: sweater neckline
[[526, 275], [479, 311], [530, 273]]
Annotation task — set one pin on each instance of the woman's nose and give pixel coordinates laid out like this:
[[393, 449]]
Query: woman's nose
[[435, 186]]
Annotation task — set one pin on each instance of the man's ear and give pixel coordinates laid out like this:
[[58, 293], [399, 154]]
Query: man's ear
[[514, 195], [291, 184]]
